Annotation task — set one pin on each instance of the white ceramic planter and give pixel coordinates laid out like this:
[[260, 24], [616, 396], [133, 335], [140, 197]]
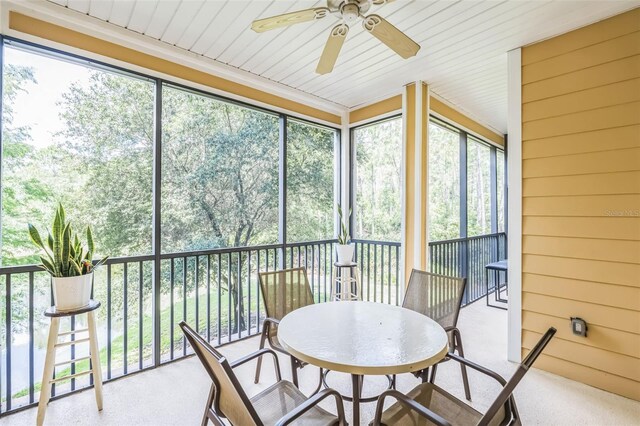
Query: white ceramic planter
[[70, 293], [345, 253]]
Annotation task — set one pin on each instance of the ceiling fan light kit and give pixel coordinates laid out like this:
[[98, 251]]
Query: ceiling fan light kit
[[350, 11]]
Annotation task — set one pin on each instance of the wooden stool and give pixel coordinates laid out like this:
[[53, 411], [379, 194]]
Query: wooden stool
[[53, 344], [347, 279]]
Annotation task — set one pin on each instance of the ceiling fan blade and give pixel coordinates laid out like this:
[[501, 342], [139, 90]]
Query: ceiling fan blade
[[395, 39], [279, 21], [332, 48]]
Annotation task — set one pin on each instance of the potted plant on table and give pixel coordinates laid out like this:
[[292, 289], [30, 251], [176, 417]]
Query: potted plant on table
[[344, 249], [68, 261]]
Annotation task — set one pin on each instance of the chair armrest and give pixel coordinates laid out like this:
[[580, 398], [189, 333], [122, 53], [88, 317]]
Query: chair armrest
[[258, 354], [410, 403], [312, 402], [477, 367], [510, 404], [269, 320]]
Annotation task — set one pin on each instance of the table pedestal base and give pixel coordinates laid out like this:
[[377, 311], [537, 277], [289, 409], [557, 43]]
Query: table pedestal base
[[349, 398], [356, 396]]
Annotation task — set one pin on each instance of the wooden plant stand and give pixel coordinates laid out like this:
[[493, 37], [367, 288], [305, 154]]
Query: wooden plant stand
[[53, 345]]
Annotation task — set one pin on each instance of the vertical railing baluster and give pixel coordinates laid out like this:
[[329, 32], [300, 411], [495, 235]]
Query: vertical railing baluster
[[196, 280], [8, 340], [389, 274], [258, 298], [184, 302], [324, 272], [208, 298], [369, 272], [275, 258], [125, 310], [172, 271], [249, 292], [331, 269], [1, 366], [108, 321], [31, 339], [240, 295], [375, 272], [398, 275], [313, 271], [72, 349], [219, 325], [140, 320], [229, 306]]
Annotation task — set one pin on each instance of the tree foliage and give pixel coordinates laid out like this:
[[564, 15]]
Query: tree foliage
[[444, 183], [378, 209], [219, 163], [23, 192]]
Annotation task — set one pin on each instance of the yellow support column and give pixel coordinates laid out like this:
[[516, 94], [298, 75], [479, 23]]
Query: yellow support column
[[415, 105]]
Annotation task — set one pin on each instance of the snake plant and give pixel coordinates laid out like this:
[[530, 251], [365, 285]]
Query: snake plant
[[64, 254], [343, 236]]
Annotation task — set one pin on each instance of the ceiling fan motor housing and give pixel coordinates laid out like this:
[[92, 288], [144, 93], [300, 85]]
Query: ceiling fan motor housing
[[337, 5]]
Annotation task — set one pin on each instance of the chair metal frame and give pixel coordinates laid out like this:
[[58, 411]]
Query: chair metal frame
[[504, 399], [455, 337], [271, 323], [212, 409]]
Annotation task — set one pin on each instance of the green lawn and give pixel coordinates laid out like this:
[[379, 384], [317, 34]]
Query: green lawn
[[117, 343]]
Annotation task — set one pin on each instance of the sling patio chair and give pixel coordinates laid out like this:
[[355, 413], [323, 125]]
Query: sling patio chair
[[439, 298], [428, 404], [283, 292], [280, 404]]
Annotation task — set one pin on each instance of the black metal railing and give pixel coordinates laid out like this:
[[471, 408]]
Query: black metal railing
[[217, 291], [379, 263], [467, 257]]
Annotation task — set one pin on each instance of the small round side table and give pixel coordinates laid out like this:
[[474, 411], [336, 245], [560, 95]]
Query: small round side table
[[346, 285], [53, 345]]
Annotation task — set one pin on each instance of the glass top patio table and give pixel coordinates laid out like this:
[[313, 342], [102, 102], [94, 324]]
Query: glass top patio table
[[363, 338]]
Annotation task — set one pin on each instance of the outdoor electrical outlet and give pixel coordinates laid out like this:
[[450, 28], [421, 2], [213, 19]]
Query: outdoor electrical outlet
[[579, 326]]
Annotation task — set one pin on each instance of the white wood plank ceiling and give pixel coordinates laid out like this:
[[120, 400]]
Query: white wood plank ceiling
[[463, 55]]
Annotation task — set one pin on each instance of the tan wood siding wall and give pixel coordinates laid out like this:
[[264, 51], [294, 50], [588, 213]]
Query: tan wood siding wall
[[581, 201]]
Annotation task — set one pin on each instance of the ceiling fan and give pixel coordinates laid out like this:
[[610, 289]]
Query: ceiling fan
[[350, 11]]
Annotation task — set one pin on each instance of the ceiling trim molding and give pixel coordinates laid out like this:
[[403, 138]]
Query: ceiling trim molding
[[94, 27], [461, 118], [391, 106], [386, 107]]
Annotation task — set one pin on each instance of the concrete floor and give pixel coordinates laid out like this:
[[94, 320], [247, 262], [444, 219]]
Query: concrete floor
[[175, 394]]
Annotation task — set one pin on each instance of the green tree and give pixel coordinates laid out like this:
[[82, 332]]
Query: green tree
[[106, 148], [479, 192], [220, 173], [22, 191], [444, 183], [310, 182], [378, 210]]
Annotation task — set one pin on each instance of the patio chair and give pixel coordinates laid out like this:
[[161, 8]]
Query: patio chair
[[439, 298], [283, 292], [280, 404], [427, 404]]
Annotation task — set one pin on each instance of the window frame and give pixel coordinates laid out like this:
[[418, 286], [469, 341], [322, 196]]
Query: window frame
[[464, 181], [159, 83], [352, 169]]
